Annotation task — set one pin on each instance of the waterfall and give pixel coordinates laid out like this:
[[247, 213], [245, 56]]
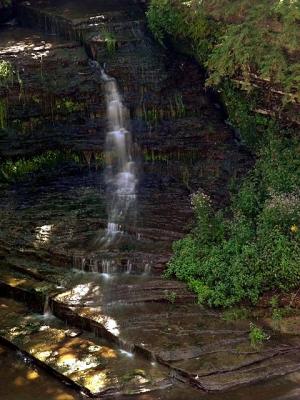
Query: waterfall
[[47, 312], [120, 175]]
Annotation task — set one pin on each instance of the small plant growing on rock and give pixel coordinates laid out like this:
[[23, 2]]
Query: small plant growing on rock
[[277, 316], [13, 170], [6, 73], [273, 302], [151, 116], [170, 296], [110, 41], [5, 3], [276, 313], [256, 335], [179, 106]]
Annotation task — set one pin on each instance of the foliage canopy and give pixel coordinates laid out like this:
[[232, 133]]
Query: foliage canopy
[[235, 38]]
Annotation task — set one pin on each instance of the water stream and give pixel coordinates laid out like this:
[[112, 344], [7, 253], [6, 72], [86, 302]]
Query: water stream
[[120, 174], [47, 312]]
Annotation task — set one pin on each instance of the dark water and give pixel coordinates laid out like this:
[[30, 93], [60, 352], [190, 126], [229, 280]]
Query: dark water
[[21, 381]]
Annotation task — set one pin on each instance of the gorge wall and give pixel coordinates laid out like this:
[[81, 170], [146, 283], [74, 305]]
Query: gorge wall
[[53, 101]]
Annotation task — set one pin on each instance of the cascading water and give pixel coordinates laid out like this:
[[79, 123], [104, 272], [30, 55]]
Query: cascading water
[[47, 312], [120, 175]]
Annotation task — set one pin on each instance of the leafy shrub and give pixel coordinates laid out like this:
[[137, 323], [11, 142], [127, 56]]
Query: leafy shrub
[[201, 289], [239, 111], [185, 261], [279, 162], [229, 260], [170, 19], [164, 19]]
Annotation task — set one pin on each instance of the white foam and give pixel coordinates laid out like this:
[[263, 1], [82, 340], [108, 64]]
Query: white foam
[[121, 175]]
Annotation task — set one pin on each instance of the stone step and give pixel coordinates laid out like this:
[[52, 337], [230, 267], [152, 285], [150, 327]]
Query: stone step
[[37, 283], [196, 343], [18, 282], [100, 263], [24, 287], [145, 316], [91, 365], [37, 270], [100, 25]]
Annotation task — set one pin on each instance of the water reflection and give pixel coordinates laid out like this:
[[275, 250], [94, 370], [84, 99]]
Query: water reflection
[[21, 381]]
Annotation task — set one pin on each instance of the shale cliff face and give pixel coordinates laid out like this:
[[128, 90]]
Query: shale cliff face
[[55, 91], [54, 101], [52, 92]]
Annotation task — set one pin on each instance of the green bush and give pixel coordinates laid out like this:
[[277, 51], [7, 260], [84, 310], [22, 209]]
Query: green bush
[[226, 260], [251, 126], [170, 20], [165, 20]]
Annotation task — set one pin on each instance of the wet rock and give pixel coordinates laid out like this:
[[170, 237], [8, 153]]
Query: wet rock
[[293, 395], [145, 315], [52, 93], [92, 366]]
